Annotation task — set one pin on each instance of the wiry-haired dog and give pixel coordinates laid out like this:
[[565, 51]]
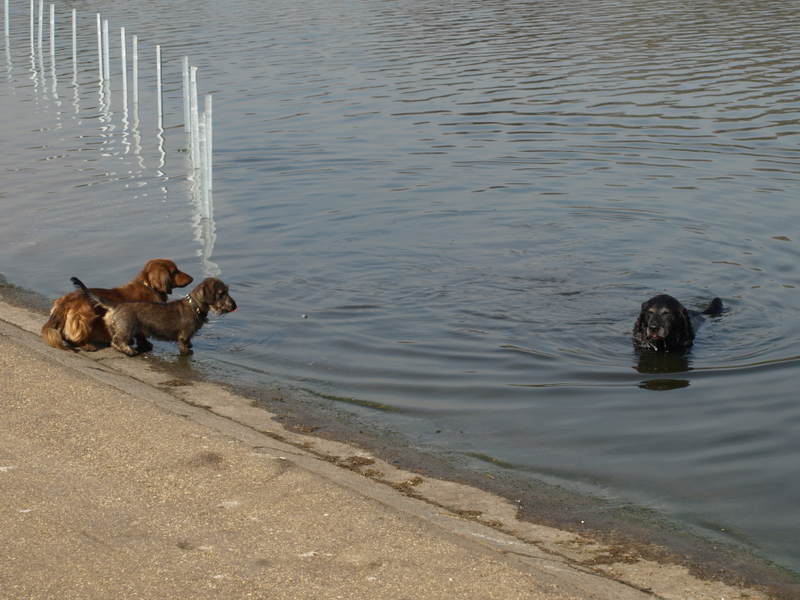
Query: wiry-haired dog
[[665, 324], [75, 322], [175, 321]]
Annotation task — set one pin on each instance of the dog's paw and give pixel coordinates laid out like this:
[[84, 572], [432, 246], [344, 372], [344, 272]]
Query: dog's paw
[[127, 350]]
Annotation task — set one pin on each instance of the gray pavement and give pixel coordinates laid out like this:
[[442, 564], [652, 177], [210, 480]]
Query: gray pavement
[[114, 486]]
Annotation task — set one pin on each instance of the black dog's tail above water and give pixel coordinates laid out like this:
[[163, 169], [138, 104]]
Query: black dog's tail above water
[[93, 298], [714, 309]]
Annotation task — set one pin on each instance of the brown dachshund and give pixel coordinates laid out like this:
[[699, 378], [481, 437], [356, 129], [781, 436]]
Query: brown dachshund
[[175, 321], [75, 321]]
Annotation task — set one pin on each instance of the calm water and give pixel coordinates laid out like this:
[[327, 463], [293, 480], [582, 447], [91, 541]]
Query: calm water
[[469, 201]]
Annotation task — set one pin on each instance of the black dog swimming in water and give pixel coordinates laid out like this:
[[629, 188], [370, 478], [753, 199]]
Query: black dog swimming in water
[[665, 324]]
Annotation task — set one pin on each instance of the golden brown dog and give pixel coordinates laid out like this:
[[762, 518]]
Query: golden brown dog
[[75, 321], [175, 321]]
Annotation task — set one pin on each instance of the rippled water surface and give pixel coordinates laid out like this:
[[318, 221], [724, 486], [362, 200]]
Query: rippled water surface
[[468, 201]]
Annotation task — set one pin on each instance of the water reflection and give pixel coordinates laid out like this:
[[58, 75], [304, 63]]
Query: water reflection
[[9, 65], [53, 74], [137, 137], [203, 221], [652, 362], [76, 92], [205, 232], [664, 385]]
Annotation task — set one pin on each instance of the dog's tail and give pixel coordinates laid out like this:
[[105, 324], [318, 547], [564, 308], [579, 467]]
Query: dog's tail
[[51, 331], [715, 308], [93, 298]]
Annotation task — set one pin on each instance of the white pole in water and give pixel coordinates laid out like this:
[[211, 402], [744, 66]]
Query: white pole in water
[[187, 117], [106, 62], [199, 166], [195, 134], [53, 35], [75, 40], [6, 7], [33, 26], [41, 18], [100, 46], [159, 99], [209, 144], [124, 60], [135, 69]]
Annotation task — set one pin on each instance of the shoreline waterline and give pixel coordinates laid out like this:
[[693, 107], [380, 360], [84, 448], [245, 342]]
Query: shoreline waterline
[[623, 540]]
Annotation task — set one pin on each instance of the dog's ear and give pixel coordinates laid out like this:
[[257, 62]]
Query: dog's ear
[[639, 325], [160, 280], [687, 333], [209, 290]]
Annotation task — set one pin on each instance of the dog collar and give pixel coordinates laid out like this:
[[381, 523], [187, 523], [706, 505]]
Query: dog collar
[[196, 308]]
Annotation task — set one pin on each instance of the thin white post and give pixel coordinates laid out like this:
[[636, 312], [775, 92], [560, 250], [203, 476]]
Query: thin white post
[[135, 69], [199, 166], [77, 95], [187, 118], [6, 7], [209, 143], [100, 46], [74, 40], [41, 18], [33, 25], [53, 36], [158, 89], [106, 62], [137, 136], [195, 133], [124, 60]]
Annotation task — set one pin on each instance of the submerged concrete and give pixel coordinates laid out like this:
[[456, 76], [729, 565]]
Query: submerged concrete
[[117, 482]]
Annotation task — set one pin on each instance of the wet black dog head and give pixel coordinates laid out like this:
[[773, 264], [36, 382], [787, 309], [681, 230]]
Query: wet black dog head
[[663, 324]]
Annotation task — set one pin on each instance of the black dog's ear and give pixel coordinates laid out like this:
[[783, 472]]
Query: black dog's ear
[[639, 325], [686, 325]]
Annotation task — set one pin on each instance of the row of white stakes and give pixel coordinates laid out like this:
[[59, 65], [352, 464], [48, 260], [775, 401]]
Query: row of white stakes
[[198, 126]]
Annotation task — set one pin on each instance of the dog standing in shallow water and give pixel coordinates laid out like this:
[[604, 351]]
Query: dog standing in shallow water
[[75, 322], [175, 321], [665, 324]]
